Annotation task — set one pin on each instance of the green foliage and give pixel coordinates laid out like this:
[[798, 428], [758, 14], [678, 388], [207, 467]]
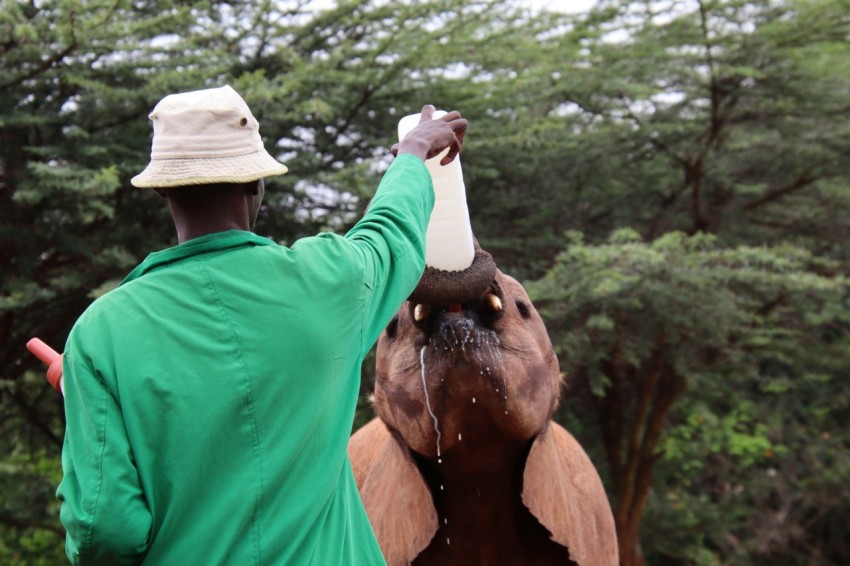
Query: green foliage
[[705, 116], [30, 532], [751, 344], [680, 120]]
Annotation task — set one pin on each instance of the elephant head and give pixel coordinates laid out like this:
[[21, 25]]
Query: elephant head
[[464, 464]]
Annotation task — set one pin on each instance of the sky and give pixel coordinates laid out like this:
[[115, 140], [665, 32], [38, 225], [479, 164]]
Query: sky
[[562, 5]]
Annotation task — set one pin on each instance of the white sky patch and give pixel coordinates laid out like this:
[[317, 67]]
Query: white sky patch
[[381, 163], [324, 200], [570, 6], [667, 99], [568, 109]]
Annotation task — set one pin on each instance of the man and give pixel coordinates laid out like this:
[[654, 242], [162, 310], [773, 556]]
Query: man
[[209, 398]]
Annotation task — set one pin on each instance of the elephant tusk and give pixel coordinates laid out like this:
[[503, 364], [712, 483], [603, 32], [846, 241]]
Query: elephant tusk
[[421, 312], [493, 302]]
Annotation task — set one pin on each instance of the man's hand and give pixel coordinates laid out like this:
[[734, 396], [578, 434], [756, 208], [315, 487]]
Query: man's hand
[[430, 137]]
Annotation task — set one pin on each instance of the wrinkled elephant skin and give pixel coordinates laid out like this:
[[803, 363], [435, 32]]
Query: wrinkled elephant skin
[[464, 464]]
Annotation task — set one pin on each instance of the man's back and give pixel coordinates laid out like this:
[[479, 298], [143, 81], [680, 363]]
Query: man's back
[[232, 366]]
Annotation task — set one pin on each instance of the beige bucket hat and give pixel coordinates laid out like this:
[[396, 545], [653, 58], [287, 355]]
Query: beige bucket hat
[[205, 136]]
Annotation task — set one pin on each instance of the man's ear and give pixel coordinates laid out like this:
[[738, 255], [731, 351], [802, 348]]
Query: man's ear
[[254, 188]]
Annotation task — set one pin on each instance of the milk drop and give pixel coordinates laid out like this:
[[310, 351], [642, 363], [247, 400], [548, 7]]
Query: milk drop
[[428, 401]]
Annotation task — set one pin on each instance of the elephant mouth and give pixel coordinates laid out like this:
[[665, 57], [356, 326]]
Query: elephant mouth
[[462, 334], [456, 316], [459, 324]]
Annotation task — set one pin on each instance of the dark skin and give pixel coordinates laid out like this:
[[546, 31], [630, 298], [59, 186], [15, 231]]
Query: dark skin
[[198, 210]]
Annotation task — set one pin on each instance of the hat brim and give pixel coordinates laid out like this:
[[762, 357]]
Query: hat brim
[[165, 173]]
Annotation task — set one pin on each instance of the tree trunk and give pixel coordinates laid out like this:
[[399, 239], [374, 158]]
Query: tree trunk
[[628, 540], [631, 415]]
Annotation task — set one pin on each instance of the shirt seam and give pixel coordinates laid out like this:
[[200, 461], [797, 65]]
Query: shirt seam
[[216, 243], [86, 551], [255, 437]]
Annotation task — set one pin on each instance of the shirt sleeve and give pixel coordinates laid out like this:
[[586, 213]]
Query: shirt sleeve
[[103, 509], [390, 239]]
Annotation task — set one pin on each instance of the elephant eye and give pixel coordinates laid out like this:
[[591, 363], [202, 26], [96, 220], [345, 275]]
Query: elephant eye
[[392, 327], [523, 309]]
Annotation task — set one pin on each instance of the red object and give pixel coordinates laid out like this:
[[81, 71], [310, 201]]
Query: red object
[[51, 358]]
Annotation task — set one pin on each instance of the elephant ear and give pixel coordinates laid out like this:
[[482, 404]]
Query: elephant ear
[[563, 491], [364, 446], [394, 493]]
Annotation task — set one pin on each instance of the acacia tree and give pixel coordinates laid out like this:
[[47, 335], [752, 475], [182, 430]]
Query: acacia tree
[[712, 116], [683, 352], [708, 117]]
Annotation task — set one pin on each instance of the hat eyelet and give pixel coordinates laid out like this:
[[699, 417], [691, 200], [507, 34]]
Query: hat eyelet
[[243, 122]]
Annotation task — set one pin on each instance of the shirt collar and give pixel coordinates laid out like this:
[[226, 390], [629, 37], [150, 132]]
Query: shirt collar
[[216, 242]]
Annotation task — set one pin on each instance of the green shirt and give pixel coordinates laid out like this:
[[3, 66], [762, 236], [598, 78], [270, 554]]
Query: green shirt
[[209, 398]]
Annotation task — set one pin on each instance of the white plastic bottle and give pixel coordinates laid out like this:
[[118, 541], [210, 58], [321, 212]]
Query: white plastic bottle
[[448, 241]]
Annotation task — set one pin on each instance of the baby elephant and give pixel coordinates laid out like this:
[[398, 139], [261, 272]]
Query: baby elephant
[[464, 464]]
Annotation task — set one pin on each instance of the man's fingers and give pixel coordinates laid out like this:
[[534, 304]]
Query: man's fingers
[[454, 149], [450, 116], [436, 135], [459, 126], [427, 113]]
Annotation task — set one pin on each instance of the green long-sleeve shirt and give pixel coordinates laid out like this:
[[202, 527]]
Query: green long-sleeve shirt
[[210, 397]]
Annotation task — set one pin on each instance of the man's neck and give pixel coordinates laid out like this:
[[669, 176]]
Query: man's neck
[[190, 231]]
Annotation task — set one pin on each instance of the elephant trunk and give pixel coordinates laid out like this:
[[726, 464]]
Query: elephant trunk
[[439, 287]]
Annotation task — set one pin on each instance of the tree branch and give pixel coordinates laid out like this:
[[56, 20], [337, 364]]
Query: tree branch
[[801, 182], [670, 389]]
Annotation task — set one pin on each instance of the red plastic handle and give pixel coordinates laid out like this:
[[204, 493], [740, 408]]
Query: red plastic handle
[[51, 358]]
